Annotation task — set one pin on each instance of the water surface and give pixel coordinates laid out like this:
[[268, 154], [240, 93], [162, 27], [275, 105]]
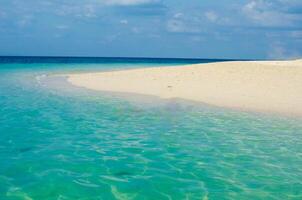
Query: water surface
[[60, 142]]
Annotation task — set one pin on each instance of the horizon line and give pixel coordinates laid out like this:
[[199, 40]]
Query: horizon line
[[125, 57]]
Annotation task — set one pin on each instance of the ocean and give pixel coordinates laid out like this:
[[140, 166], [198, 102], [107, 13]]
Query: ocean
[[59, 142]]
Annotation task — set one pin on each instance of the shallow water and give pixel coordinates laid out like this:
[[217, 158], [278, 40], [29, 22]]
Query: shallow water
[[60, 142]]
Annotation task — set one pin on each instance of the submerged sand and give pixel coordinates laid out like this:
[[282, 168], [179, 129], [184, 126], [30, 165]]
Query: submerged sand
[[269, 86]]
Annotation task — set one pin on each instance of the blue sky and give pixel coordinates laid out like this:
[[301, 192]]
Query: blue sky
[[238, 29]]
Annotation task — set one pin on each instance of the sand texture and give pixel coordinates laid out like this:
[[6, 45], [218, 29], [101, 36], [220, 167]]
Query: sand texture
[[269, 86]]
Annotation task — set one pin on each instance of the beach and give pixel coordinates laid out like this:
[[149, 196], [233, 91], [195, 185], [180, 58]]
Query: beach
[[59, 141], [261, 86]]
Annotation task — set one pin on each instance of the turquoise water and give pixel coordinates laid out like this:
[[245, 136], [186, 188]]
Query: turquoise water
[[61, 142]]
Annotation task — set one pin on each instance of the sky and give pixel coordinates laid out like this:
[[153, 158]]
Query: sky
[[234, 29]]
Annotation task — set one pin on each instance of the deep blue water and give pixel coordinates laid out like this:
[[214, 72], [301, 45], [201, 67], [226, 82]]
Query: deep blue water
[[103, 60]]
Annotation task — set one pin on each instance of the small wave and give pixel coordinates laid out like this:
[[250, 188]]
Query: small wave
[[85, 183]]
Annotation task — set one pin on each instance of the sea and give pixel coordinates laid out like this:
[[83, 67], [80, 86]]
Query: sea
[[60, 142]]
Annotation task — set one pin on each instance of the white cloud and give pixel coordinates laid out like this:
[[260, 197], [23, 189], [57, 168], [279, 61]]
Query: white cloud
[[89, 10], [124, 21], [211, 16], [62, 27], [82, 11], [178, 15], [265, 13], [136, 30]]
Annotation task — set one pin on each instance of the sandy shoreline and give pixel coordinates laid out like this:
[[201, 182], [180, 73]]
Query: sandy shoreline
[[266, 86]]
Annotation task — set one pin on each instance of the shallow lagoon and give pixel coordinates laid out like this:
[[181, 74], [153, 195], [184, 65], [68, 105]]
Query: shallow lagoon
[[60, 142]]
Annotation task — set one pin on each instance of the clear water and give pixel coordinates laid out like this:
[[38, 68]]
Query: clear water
[[60, 142]]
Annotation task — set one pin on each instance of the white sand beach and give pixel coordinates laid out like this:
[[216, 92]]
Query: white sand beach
[[266, 86]]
